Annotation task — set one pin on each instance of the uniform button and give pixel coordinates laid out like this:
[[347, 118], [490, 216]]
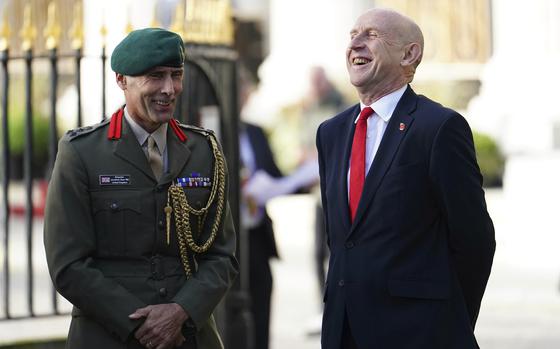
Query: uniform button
[[341, 283], [113, 206], [163, 292], [161, 225], [349, 244]]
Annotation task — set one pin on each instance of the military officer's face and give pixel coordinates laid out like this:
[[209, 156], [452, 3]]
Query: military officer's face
[[151, 98]]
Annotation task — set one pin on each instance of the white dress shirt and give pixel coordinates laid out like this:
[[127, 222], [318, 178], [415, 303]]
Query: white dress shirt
[[377, 124]]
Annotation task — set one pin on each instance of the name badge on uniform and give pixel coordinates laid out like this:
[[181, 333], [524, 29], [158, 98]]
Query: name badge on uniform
[[114, 179], [194, 181]]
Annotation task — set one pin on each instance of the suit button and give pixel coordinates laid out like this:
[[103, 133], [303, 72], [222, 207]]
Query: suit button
[[341, 283], [163, 292], [349, 244], [113, 206]]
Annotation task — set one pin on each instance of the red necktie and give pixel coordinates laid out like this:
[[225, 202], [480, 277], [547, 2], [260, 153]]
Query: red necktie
[[358, 161]]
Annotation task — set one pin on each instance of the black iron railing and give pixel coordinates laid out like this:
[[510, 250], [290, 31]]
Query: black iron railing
[[28, 176], [210, 79]]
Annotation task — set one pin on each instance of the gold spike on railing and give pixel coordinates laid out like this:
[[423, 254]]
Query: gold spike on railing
[[128, 28], [217, 21], [52, 30], [191, 25], [178, 25], [103, 33], [5, 33], [207, 13], [77, 29], [227, 33], [210, 11], [28, 31]]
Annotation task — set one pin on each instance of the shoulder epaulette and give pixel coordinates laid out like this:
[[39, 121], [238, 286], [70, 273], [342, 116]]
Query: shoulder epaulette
[[204, 131], [80, 131]]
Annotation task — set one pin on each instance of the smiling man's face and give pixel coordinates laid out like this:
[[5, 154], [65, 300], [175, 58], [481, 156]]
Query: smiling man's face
[[374, 53], [151, 98]]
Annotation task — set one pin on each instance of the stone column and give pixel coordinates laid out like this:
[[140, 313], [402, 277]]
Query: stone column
[[518, 105], [518, 100]]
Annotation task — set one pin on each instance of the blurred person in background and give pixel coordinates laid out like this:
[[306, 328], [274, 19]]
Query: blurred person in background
[[256, 156], [262, 181], [410, 237], [114, 246], [322, 101]]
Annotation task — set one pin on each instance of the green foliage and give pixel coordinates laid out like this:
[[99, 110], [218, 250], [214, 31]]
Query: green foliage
[[16, 132], [17, 126], [490, 159]]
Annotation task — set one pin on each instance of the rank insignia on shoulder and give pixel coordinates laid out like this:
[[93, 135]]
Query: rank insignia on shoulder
[[194, 181], [82, 131], [114, 179]]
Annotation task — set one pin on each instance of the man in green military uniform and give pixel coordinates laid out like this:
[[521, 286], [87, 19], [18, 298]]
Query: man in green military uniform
[[138, 232]]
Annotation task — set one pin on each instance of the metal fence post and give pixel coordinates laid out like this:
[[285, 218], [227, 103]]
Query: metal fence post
[[28, 174], [103, 83], [53, 137], [6, 180], [78, 53]]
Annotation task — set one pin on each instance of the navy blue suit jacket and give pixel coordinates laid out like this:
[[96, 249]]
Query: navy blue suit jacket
[[410, 271]]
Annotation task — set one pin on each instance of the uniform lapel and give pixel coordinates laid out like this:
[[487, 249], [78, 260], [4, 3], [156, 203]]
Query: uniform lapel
[[348, 135], [387, 149], [128, 149], [178, 154]]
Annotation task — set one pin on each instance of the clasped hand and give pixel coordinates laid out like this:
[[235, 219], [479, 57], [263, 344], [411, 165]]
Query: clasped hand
[[162, 327]]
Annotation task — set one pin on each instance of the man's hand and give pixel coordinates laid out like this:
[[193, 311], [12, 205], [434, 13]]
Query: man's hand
[[162, 328]]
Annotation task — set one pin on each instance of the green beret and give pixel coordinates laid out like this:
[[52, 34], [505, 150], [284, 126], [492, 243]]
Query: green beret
[[144, 49]]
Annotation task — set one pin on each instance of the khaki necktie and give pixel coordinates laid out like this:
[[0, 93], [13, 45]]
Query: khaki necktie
[[154, 157]]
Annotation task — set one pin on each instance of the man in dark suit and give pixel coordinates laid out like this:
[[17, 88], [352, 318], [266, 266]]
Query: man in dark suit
[[256, 156], [138, 231], [410, 237]]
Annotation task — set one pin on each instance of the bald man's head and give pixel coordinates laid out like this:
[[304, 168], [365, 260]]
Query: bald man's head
[[403, 29], [385, 49]]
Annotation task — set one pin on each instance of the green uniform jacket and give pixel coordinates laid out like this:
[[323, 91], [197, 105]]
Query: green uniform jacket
[[105, 237]]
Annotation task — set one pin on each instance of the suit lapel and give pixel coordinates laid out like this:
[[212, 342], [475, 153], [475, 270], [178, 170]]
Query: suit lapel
[[347, 136], [387, 149], [128, 149], [178, 154]]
